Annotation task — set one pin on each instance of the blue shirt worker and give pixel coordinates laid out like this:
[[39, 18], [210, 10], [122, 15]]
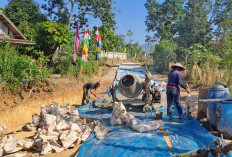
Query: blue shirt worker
[[173, 89], [92, 87]]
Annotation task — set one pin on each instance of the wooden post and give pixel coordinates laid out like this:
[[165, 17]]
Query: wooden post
[[202, 106]]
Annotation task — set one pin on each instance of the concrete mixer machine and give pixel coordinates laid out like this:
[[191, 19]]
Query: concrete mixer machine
[[131, 86]]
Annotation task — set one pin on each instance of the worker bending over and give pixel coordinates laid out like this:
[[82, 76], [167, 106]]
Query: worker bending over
[[173, 89], [92, 87]]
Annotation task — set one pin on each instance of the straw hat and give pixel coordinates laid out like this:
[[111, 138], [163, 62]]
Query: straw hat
[[178, 65]]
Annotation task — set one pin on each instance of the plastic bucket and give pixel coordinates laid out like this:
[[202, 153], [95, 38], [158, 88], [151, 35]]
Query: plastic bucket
[[224, 118], [215, 93]]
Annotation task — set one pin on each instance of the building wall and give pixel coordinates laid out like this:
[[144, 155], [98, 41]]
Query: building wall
[[115, 55], [5, 31]]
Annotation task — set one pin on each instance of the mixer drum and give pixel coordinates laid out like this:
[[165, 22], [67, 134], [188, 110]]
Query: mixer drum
[[130, 85]]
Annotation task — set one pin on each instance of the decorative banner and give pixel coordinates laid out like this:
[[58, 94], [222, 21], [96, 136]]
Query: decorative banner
[[76, 44], [124, 50], [86, 47], [98, 49]]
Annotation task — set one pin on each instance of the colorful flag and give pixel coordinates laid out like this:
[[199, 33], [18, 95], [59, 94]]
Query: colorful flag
[[98, 50], [135, 55], [97, 33], [86, 47], [124, 49], [76, 44]]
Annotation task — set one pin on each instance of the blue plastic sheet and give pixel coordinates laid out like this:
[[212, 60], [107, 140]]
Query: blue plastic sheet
[[122, 141], [185, 135]]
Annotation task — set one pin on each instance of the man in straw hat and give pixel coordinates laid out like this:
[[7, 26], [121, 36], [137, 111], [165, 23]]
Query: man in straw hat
[[173, 89]]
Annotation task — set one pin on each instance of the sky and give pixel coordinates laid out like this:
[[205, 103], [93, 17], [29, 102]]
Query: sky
[[132, 16]]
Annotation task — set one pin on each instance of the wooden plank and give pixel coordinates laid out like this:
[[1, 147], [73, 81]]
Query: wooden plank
[[215, 100]]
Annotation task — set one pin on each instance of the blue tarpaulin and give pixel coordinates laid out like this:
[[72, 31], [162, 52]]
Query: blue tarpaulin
[[185, 135]]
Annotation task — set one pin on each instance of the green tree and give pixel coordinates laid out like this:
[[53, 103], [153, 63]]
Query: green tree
[[163, 19], [50, 36], [24, 10], [222, 17], [75, 11], [195, 27], [164, 53], [109, 39]]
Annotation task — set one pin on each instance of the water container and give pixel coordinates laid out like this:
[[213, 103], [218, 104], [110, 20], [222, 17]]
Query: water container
[[215, 93], [224, 118]]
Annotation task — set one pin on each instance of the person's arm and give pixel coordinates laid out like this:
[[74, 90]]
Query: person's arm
[[93, 92], [182, 84], [180, 81]]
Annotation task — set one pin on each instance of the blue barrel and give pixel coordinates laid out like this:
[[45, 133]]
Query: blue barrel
[[215, 93], [224, 118]]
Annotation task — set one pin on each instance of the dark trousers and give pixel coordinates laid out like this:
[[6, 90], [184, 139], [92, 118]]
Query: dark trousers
[[85, 97], [173, 95]]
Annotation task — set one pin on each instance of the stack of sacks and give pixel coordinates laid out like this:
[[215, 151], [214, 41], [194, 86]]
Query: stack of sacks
[[121, 117], [59, 128], [9, 145]]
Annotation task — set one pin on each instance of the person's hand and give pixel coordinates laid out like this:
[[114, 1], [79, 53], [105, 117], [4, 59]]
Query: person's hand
[[188, 90], [182, 90]]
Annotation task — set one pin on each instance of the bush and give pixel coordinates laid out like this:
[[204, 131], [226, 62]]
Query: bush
[[65, 65], [90, 69], [103, 61], [16, 69]]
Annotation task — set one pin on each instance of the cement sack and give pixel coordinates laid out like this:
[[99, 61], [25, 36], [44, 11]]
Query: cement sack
[[146, 127], [133, 122], [126, 119], [74, 112], [75, 127], [46, 148], [68, 140], [86, 134], [17, 155], [48, 137], [118, 112], [49, 119], [44, 110], [119, 109], [115, 121], [36, 119], [100, 132], [28, 144], [3, 127], [1, 152], [93, 124], [11, 144], [56, 147], [31, 127], [163, 85], [62, 125], [54, 109]]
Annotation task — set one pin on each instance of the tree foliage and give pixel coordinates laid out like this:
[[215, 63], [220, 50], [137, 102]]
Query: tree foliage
[[50, 36], [24, 10], [109, 39], [78, 11], [162, 18]]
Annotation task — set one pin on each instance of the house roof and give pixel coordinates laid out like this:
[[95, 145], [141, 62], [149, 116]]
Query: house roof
[[19, 37]]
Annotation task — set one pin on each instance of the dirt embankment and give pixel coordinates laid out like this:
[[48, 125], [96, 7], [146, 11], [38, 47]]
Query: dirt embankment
[[16, 111]]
